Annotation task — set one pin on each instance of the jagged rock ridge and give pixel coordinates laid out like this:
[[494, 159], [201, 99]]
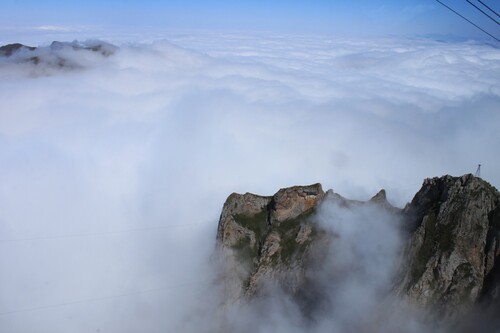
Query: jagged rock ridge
[[453, 249], [265, 237], [450, 261], [276, 238], [10, 49]]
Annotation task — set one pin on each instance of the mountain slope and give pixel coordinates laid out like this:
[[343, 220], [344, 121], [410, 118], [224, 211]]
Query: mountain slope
[[448, 258], [453, 249]]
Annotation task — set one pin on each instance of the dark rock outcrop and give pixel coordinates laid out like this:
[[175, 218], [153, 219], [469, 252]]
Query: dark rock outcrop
[[451, 260], [451, 230], [58, 55], [9, 49]]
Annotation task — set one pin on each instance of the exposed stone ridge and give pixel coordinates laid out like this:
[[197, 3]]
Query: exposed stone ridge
[[269, 237], [288, 203], [453, 250], [257, 234], [229, 232], [450, 263], [379, 197]]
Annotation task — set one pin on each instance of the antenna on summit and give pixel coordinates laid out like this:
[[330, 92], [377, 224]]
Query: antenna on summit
[[478, 171]]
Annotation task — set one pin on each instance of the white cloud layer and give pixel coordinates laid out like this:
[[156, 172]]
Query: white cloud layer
[[133, 155]]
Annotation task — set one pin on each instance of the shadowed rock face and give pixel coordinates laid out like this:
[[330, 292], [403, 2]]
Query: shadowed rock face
[[450, 260], [9, 49], [453, 245], [104, 49]]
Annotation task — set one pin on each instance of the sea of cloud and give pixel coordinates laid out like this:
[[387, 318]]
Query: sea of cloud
[[113, 172]]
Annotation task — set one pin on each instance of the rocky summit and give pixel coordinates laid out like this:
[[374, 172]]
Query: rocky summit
[[448, 262], [263, 236], [452, 255]]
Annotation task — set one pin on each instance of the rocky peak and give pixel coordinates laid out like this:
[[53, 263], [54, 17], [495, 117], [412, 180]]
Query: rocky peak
[[288, 203], [270, 237], [259, 233], [9, 49], [379, 197], [453, 242], [242, 208], [451, 259], [248, 215]]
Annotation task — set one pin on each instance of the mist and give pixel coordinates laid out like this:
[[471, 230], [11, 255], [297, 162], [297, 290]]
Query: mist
[[113, 172], [349, 275]]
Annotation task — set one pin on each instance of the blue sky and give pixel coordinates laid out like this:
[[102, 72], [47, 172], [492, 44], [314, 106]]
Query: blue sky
[[343, 17]]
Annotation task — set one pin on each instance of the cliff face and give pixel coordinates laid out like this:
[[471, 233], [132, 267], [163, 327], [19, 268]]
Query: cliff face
[[266, 237], [452, 253], [450, 231]]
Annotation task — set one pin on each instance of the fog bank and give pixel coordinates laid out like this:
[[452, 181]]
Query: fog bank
[[113, 175]]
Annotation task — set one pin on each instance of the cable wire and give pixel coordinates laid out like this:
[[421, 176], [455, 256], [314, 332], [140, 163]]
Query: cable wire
[[485, 5], [474, 24], [491, 18]]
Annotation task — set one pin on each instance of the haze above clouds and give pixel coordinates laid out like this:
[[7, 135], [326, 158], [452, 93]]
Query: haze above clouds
[[113, 174]]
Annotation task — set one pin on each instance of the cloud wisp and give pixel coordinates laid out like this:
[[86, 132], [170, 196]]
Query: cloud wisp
[[350, 271]]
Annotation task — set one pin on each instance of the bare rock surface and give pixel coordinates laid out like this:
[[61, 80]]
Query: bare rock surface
[[270, 238], [265, 236], [450, 260], [453, 247]]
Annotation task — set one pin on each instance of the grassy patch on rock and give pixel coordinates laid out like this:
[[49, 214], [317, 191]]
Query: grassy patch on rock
[[256, 223], [289, 230]]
